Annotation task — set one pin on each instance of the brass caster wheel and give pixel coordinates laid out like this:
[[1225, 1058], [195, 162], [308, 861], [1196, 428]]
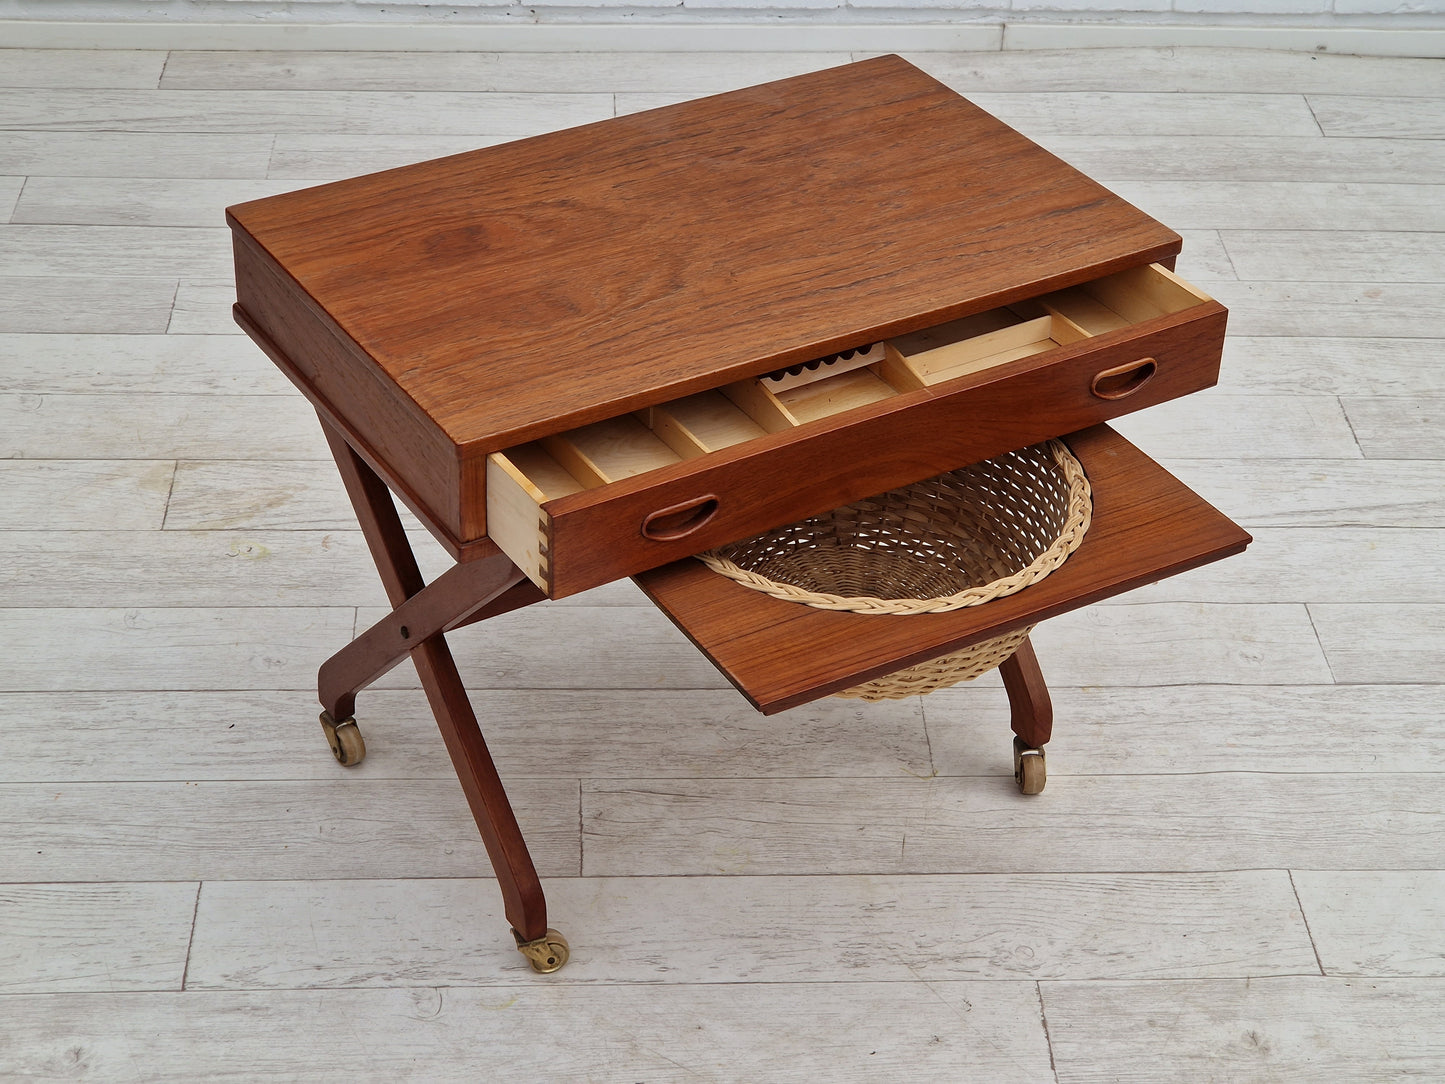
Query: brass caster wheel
[[1029, 768], [546, 954], [344, 739]]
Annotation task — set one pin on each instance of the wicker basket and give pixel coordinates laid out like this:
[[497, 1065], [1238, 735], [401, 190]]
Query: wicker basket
[[960, 539]]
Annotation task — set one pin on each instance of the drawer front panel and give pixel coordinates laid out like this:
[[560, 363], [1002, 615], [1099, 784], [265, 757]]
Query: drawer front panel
[[597, 535]]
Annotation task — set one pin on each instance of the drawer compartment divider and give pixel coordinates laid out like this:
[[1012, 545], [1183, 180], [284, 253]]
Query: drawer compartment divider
[[707, 421], [608, 451]]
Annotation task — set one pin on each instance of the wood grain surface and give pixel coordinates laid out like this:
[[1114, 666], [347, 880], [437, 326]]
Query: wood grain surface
[[1107, 926], [1352, 917], [126, 937], [128, 305], [79, 494], [728, 827], [647, 1033], [870, 186], [1259, 1031], [594, 535], [181, 831], [1146, 525], [1198, 721]]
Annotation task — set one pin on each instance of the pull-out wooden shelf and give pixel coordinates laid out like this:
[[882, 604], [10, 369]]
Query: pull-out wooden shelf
[[1147, 525]]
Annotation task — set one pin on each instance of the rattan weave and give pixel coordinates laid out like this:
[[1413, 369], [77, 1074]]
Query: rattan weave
[[961, 539]]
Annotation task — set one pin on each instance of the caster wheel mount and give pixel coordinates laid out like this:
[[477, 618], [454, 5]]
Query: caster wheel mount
[[547, 953], [344, 739], [1029, 768]]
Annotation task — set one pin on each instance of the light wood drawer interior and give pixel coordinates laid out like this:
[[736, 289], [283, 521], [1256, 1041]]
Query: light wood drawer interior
[[521, 479]]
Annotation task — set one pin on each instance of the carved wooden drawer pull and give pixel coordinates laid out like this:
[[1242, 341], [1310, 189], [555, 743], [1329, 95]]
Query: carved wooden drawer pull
[[679, 520], [1123, 381]]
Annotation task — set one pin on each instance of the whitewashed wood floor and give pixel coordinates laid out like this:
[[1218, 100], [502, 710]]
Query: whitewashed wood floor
[[1234, 875]]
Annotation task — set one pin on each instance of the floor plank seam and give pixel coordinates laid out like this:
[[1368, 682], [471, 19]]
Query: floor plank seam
[[1229, 259], [191, 941], [1314, 625], [1257, 230], [1305, 918], [927, 739], [484, 876], [504, 980], [657, 780], [1310, 977], [527, 981], [170, 492], [18, 197], [1354, 433], [1044, 1023], [175, 296]]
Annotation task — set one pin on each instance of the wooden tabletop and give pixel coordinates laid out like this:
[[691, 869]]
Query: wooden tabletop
[[527, 288]]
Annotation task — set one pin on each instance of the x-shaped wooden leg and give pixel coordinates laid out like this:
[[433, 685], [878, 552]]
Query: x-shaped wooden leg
[[440, 606], [471, 591]]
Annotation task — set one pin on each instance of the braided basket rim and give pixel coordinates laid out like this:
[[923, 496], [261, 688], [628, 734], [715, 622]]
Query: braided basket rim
[[1071, 536], [941, 672]]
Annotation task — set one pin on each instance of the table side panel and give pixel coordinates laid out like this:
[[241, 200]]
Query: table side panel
[[1147, 525], [400, 441], [596, 537]]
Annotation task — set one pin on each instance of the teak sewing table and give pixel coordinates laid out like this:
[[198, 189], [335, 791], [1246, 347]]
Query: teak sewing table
[[556, 353]]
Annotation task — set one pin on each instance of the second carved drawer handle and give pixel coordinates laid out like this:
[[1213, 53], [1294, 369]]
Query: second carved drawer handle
[[679, 520], [1124, 380]]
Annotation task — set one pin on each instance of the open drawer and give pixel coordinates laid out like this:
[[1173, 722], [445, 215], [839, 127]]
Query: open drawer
[[1146, 525], [586, 506]]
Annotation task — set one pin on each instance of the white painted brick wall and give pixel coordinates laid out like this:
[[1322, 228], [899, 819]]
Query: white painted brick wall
[[1388, 7], [1246, 13], [1261, 7]]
